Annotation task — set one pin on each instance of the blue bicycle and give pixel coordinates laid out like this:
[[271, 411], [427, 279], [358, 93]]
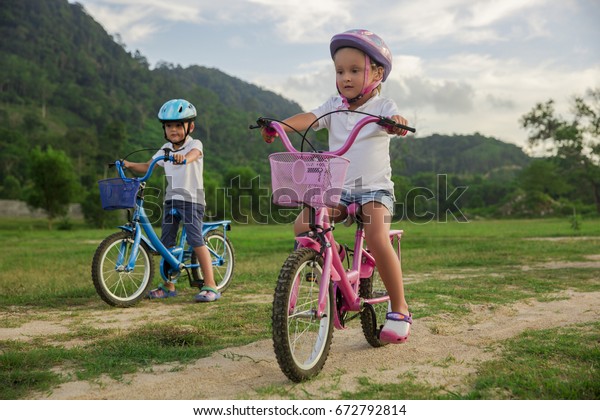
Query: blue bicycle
[[123, 265]]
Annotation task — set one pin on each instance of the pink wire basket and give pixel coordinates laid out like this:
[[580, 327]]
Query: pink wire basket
[[313, 179]]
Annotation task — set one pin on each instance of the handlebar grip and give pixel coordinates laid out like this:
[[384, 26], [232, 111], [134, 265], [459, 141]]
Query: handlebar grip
[[171, 159], [388, 121], [114, 163], [270, 131], [265, 124]]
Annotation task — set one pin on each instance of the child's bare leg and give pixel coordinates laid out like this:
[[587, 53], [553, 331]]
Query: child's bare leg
[[302, 223], [205, 265], [377, 220]]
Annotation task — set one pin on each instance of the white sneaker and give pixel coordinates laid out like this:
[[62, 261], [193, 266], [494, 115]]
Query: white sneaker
[[396, 328]]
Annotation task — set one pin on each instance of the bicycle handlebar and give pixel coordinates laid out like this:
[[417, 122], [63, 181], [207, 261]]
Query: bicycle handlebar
[[166, 157], [275, 128]]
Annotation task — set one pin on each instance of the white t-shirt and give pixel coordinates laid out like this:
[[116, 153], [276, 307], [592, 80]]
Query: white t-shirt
[[184, 182], [369, 156]]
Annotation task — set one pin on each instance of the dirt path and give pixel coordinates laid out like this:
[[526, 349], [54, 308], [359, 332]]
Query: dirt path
[[441, 352]]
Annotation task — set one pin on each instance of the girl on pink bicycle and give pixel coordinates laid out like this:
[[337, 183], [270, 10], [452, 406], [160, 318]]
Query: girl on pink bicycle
[[362, 62]]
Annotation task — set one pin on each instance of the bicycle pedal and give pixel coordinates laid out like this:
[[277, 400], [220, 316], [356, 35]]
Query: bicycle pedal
[[196, 283], [310, 277]]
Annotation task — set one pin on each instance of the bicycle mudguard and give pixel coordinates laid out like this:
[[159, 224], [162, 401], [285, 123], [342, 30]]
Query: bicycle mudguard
[[146, 241], [367, 266], [210, 226], [307, 242]]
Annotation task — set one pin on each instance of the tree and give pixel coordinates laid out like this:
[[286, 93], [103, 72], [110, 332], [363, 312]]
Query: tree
[[544, 176], [54, 183], [93, 213], [575, 143], [11, 188], [244, 192]]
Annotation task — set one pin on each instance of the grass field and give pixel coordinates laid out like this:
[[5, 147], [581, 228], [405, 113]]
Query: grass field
[[45, 276]]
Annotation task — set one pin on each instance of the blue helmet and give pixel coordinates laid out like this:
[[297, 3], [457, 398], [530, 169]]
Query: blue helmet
[[177, 110]]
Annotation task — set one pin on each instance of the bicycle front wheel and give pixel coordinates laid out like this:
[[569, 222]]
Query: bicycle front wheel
[[114, 284], [222, 255], [301, 339]]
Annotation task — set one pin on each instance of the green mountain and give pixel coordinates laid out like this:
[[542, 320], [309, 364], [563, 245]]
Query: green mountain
[[458, 154], [62, 76], [66, 83]]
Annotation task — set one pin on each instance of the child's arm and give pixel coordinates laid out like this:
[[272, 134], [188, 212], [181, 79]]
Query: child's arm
[[137, 167], [189, 157], [299, 122]]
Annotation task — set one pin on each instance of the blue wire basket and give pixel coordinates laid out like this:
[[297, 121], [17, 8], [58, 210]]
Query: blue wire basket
[[118, 193]]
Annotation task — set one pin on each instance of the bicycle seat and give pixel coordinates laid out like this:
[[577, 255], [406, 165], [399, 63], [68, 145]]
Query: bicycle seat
[[353, 210]]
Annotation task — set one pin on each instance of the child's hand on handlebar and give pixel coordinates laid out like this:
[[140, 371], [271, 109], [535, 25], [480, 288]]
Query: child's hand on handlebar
[[268, 134], [178, 158], [397, 130]]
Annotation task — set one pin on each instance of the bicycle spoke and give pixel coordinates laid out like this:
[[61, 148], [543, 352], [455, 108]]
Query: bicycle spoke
[[115, 285]]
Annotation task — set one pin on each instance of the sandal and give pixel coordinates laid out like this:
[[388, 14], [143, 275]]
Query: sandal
[[207, 294], [161, 293], [395, 333]]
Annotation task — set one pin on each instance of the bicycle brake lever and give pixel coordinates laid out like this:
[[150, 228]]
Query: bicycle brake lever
[[384, 121], [260, 123]]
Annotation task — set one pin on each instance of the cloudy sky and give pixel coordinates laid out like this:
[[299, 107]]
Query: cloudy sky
[[460, 66]]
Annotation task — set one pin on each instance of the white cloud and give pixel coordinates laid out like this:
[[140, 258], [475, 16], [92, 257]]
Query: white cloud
[[463, 21], [307, 21], [141, 20], [486, 13], [309, 89], [459, 65]]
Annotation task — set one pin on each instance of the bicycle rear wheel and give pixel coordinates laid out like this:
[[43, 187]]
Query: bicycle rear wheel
[[372, 317], [301, 340], [222, 255], [114, 284]]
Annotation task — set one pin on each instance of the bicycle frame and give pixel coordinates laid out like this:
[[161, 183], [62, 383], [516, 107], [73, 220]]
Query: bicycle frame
[[347, 281], [174, 257], [321, 239]]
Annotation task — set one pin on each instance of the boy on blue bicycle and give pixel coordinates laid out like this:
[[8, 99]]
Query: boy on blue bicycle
[[184, 192]]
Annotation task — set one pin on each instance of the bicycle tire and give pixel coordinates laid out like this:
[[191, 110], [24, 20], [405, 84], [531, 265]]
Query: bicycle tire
[[223, 272], [114, 285], [301, 342], [372, 317]]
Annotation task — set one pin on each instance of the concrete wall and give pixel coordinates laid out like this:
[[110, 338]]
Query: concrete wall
[[15, 208]]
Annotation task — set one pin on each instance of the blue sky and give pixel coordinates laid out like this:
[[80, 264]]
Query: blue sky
[[460, 66]]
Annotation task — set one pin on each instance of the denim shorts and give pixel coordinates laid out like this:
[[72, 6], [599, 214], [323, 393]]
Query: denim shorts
[[380, 196], [191, 216]]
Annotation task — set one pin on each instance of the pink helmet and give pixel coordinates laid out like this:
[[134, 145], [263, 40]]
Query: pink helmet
[[367, 42]]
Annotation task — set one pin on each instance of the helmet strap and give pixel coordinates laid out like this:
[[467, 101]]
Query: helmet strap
[[187, 133], [367, 87]]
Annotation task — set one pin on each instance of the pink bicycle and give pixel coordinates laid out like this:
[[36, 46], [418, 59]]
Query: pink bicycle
[[315, 293]]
